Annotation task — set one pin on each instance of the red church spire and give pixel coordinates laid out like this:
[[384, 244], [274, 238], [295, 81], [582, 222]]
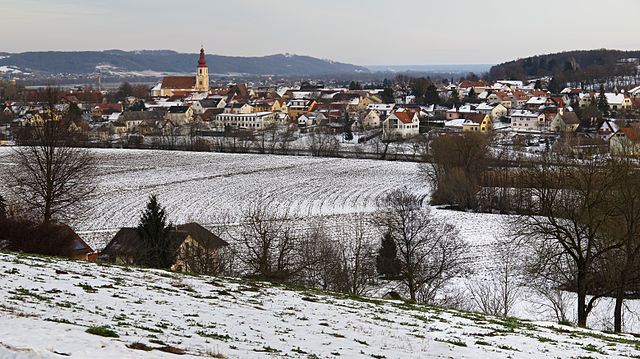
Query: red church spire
[[202, 62]]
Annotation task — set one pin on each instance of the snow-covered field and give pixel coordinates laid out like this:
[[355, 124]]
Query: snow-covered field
[[205, 187], [47, 305]]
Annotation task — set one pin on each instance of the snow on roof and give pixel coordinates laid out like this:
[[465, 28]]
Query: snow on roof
[[537, 101], [485, 107], [511, 83], [614, 99], [458, 122], [523, 113]]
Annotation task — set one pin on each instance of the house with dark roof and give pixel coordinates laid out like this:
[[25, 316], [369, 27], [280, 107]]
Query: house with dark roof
[[193, 246], [565, 122], [477, 122]]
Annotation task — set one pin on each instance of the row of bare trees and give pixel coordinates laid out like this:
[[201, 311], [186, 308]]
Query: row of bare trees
[[268, 244]]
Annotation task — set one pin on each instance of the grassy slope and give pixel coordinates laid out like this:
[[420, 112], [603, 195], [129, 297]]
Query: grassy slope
[[47, 304]]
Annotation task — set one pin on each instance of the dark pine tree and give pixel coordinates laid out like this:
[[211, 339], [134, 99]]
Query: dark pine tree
[[154, 232], [387, 262], [3, 207], [348, 135], [355, 85], [387, 95], [431, 96], [603, 104], [538, 85]]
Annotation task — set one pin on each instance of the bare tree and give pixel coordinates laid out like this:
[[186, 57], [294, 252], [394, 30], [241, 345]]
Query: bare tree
[[498, 293], [323, 143], [285, 137], [357, 256], [619, 268], [270, 248], [50, 176], [565, 231], [430, 251], [343, 265]]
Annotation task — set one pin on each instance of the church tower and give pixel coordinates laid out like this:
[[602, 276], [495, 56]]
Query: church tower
[[202, 77]]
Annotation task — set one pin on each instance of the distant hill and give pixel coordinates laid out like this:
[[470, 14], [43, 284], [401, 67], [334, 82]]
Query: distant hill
[[571, 65], [465, 68], [152, 62]]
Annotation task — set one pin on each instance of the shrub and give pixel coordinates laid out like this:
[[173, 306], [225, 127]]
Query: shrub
[[102, 331]]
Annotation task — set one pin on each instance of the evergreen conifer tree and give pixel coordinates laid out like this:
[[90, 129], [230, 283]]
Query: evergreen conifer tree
[[431, 96], [603, 104], [3, 207], [387, 262], [154, 232]]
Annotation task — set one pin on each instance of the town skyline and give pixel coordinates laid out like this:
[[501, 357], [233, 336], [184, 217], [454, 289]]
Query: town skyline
[[380, 33]]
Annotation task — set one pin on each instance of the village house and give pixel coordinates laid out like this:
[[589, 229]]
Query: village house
[[625, 142], [527, 120], [500, 97], [371, 120], [496, 111], [536, 103], [252, 121], [300, 106], [477, 122], [618, 101], [382, 109], [239, 107], [565, 122], [180, 115], [401, 124], [190, 243]]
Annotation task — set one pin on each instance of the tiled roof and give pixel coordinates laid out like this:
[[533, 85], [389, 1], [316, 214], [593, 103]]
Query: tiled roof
[[178, 82]]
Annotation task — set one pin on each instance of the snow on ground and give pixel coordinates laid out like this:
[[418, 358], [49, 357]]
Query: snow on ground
[[47, 306], [203, 187]]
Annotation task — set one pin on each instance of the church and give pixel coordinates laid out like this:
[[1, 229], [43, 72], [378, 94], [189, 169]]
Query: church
[[180, 85]]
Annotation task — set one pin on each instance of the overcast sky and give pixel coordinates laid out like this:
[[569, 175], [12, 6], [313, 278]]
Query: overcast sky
[[363, 32]]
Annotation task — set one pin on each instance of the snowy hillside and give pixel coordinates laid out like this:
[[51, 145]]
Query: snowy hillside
[[48, 305]]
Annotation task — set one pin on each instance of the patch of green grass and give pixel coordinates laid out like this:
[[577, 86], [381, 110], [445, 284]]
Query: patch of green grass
[[222, 337], [139, 346], [456, 342], [87, 288], [482, 342], [102, 331], [298, 350], [153, 330], [377, 356], [506, 347], [545, 340], [267, 349], [59, 320], [26, 292], [593, 348]]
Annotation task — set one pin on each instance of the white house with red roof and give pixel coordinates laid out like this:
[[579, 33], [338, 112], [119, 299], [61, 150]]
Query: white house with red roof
[[403, 124]]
